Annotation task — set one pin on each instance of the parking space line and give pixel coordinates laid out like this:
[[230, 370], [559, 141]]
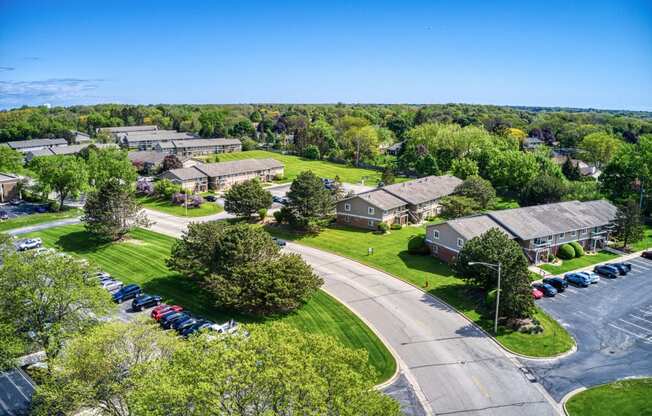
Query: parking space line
[[630, 333], [639, 318], [583, 313], [637, 326]]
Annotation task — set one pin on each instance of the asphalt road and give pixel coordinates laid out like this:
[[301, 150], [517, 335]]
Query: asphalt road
[[612, 324]]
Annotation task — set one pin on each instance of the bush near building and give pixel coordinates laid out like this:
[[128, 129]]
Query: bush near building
[[579, 250], [566, 252]]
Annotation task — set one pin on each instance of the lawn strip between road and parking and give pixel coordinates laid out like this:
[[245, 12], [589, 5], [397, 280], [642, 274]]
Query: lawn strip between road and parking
[[579, 262], [36, 218], [391, 256], [623, 398], [167, 207], [140, 259], [294, 165]]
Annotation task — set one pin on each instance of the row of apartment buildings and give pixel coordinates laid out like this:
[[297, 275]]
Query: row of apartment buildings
[[540, 230], [222, 175], [407, 202]]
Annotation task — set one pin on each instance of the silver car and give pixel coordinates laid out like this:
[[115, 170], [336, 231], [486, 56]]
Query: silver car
[[112, 285], [30, 243], [593, 277]]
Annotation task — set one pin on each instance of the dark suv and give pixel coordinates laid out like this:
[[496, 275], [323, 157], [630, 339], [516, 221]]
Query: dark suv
[[607, 271], [126, 293], [145, 301], [623, 268], [556, 282]]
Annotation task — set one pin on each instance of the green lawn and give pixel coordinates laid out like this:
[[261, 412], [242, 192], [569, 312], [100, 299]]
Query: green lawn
[[646, 243], [141, 260], [33, 219], [163, 205], [295, 165], [390, 255], [579, 262], [622, 398]]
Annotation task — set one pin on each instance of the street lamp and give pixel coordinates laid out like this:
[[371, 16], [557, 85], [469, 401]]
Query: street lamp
[[497, 268]]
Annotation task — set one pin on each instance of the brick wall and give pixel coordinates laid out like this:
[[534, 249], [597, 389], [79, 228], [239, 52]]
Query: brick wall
[[442, 253]]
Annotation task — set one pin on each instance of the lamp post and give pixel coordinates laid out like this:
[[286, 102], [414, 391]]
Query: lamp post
[[497, 268]]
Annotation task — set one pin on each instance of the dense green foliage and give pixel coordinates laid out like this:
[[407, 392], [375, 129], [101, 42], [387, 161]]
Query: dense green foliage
[[65, 175], [566, 252], [309, 201], [247, 198], [479, 190], [629, 224], [577, 247]]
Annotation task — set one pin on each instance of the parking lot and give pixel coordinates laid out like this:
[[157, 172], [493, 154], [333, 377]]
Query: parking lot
[[611, 322], [24, 208]]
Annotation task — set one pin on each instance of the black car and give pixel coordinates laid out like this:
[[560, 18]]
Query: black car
[[556, 282], [126, 293], [145, 301], [179, 326], [623, 268], [197, 326], [647, 254], [41, 209], [4, 215], [547, 289], [167, 321], [606, 271], [210, 198], [276, 199], [279, 242]]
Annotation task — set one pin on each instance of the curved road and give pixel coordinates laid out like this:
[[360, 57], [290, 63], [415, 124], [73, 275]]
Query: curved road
[[454, 368]]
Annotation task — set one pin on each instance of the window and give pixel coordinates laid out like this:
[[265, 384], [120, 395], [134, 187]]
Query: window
[[370, 223], [385, 212], [573, 233], [435, 248], [347, 218], [371, 210], [347, 207], [550, 238], [435, 234], [560, 236], [460, 243], [584, 231]]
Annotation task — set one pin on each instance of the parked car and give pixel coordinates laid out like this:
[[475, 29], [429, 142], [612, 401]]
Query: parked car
[[179, 326], [103, 275], [647, 254], [112, 285], [546, 289], [279, 242], [276, 199], [167, 321], [606, 271], [225, 328], [556, 282], [41, 209], [16, 202], [29, 244], [623, 268], [43, 250], [126, 293], [593, 277], [536, 293], [196, 327], [145, 301], [210, 198], [4, 215], [577, 279], [161, 310]]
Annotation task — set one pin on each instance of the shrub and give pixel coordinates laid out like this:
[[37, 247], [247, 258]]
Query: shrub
[[417, 245], [262, 213], [490, 299], [144, 188], [312, 152], [566, 252], [396, 226], [383, 227], [165, 188], [579, 251], [281, 216]]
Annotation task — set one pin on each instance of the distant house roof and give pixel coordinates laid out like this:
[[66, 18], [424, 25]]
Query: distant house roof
[[586, 169], [16, 390], [532, 141], [158, 136], [184, 174], [147, 157], [127, 129], [238, 166], [425, 189], [395, 147], [205, 143], [550, 219], [24, 144], [381, 199], [81, 137], [470, 227], [66, 150], [8, 177]]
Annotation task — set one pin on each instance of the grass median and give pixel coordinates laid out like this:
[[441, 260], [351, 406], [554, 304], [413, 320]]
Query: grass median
[[35, 219], [390, 255], [623, 398], [579, 262], [167, 207], [141, 258]]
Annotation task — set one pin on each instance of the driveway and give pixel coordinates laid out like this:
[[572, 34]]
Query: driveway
[[612, 324]]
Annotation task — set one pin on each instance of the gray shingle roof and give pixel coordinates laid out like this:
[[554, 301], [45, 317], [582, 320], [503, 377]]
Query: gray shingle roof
[[158, 136], [205, 142], [7, 177], [16, 390], [147, 156], [470, 227], [425, 189], [67, 150], [550, 219], [184, 174], [127, 129], [238, 166], [22, 144], [381, 199]]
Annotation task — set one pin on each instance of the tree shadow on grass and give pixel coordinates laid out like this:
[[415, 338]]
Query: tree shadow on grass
[[425, 263], [80, 242]]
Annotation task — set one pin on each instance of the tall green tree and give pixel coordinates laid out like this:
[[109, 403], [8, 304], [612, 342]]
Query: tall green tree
[[570, 170], [309, 201], [11, 161], [65, 175], [49, 296], [599, 148], [247, 198], [478, 189], [192, 254], [276, 370], [112, 211], [361, 142], [465, 167], [104, 164], [544, 189], [629, 224], [495, 247]]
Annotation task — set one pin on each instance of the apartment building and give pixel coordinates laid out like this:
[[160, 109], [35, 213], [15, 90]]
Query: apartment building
[[199, 146], [25, 146]]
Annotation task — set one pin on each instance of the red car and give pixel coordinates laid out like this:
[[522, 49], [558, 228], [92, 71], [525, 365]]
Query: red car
[[537, 294], [647, 254], [161, 310]]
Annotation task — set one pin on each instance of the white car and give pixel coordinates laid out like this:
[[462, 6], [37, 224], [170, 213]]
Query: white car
[[593, 277], [103, 276], [43, 250], [225, 328], [112, 285], [30, 243]]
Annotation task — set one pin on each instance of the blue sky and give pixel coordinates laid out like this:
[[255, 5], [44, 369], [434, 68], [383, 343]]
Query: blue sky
[[549, 53]]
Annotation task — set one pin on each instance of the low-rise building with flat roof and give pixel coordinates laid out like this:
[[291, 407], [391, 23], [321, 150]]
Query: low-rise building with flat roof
[[25, 146], [199, 146]]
